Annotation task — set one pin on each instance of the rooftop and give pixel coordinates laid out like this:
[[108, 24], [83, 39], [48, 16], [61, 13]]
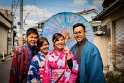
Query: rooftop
[[86, 11]]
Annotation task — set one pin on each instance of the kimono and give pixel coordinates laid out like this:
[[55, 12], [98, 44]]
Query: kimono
[[91, 66], [35, 72], [20, 64], [57, 61]]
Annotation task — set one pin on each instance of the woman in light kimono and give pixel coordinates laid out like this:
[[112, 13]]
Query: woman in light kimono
[[60, 64], [35, 72]]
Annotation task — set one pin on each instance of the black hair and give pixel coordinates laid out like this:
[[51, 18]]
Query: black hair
[[56, 36], [32, 30], [79, 24], [40, 42]]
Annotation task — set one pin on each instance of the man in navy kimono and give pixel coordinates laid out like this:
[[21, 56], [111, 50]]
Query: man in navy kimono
[[88, 57]]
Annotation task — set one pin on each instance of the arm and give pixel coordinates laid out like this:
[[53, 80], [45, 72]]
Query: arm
[[95, 67], [70, 64], [46, 75], [33, 74], [14, 71], [18, 72], [75, 68]]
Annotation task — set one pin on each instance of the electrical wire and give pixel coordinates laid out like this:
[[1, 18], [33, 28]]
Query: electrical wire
[[36, 10]]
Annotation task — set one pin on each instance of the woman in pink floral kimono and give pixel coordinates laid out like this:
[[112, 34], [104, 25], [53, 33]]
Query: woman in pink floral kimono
[[60, 64]]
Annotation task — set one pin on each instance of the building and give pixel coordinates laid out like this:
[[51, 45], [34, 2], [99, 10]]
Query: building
[[6, 33], [40, 25], [112, 21], [90, 15]]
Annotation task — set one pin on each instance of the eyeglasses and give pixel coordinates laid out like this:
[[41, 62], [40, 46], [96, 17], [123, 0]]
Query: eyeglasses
[[79, 32]]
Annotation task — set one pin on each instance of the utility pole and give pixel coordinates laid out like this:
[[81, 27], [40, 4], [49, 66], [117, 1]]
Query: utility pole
[[21, 14], [13, 8], [21, 20], [21, 17]]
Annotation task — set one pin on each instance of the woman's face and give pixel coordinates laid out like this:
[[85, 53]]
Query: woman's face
[[59, 44], [44, 48]]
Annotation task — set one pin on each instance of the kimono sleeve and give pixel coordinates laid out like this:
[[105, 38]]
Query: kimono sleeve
[[33, 71], [46, 76], [75, 68], [14, 71], [95, 68]]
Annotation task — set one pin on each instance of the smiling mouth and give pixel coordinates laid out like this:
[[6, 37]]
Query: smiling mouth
[[78, 38], [61, 46], [32, 42], [46, 49]]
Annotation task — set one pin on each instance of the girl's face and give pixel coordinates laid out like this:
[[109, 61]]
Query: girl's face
[[59, 44], [44, 48]]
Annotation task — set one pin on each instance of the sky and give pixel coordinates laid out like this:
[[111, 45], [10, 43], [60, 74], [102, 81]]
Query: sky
[[35, 11]]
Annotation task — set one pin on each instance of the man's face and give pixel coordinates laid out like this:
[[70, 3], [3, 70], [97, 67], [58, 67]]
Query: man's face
[[32, 39], [79, 34]]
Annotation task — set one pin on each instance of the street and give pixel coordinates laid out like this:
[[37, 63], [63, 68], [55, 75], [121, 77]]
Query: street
[[4, 71], [103, 26]]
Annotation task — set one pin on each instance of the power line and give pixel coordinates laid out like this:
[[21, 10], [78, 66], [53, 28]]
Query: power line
[[36, 10], [17, 5], [14, 6]]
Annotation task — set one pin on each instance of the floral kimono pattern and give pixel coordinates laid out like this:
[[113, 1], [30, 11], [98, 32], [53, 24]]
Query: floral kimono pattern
[[58, 61], [35, 72]]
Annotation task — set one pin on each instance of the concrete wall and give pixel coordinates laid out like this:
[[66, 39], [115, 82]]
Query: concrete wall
[[3, 40], [101, 43], [4, 27]]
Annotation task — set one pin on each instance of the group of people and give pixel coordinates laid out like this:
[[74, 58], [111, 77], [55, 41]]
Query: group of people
[[33, 63]]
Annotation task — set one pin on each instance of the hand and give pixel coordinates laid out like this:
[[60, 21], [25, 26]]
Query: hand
[[34, 81], [67, 53]]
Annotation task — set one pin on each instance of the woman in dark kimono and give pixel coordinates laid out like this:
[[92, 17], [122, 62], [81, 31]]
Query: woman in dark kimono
[[36, 70]]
